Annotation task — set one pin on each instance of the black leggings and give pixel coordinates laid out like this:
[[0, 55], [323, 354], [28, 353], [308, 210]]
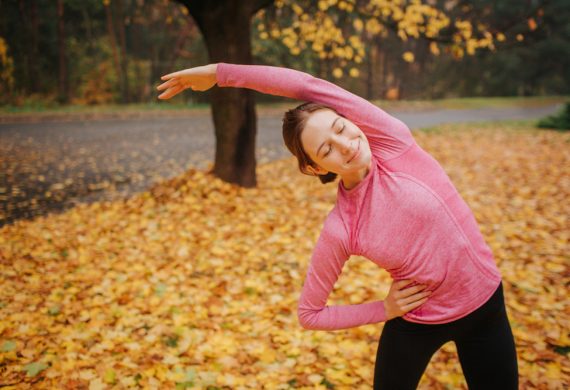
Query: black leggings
[[484, 342]]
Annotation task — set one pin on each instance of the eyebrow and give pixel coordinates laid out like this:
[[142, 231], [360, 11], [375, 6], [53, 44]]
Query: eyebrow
[[323, 144]]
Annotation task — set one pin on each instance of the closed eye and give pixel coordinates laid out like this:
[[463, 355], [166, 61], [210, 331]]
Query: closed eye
[[330, 149]]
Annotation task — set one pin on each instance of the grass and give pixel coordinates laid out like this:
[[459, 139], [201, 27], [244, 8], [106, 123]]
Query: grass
[[37, 107], [506, 124], [472, 103], [106, 108]]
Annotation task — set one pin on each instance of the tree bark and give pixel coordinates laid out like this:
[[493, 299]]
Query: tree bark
[[63, 95], [111, 32], [383, 69], [225, 26], [124, 65], [372, 69], [29, 16]]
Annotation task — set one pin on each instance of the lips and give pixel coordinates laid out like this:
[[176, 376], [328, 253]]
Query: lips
[[355, 154]]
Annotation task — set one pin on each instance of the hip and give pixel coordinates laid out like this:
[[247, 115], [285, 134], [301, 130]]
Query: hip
[[492, 308]]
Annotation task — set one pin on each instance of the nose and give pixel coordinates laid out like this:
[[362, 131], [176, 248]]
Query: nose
[[347, 146]]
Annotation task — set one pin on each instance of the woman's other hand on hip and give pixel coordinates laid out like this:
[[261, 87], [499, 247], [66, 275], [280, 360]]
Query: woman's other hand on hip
[[402, 299]]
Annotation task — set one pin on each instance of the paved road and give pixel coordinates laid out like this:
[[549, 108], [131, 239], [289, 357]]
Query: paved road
[[51, 166]]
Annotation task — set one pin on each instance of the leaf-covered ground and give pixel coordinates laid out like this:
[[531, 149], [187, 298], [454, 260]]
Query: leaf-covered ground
[[194, 284]]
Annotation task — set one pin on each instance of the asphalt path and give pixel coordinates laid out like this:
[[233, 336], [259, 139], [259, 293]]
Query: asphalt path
[[53, 165]]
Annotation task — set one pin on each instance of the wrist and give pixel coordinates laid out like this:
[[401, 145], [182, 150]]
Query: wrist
[[214, 71]]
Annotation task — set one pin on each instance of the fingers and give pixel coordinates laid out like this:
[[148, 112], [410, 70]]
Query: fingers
[[414, 298], [170, 92], [410, 306], [401, 284], [409, 291], [167, 84], [171, 75]]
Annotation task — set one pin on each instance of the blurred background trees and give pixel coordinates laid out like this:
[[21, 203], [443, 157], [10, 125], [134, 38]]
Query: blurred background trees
[[92, 52], [114, 51]]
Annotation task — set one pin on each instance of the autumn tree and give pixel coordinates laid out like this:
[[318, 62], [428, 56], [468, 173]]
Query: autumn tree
[[225, 26]]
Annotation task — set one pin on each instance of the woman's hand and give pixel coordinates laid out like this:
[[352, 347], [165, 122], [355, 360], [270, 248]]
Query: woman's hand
[[401, 300], [199, 78]]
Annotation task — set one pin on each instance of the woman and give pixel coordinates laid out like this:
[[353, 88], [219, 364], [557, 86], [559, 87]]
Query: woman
[[397, 207]]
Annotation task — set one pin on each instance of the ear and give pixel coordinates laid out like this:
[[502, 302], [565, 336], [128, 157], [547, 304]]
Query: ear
[[317, 171]]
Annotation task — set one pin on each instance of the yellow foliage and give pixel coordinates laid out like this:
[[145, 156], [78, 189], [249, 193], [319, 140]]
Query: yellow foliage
[[471, 45], [408, 56], [358, 25], [6, 68], [354, 72], [297, 9], [532, 24], [373, 27], [457, 51], [200, 278], [434, 48]]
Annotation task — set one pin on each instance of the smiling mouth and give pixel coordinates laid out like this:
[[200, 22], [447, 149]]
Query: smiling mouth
[[355, 154]]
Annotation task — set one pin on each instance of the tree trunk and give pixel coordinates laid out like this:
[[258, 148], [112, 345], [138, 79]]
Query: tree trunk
[[29, 16], [111, 32], [88, 28], [123, 47], [225, 26], [63, 96], [372, 69], [36, 84], [382, 71]]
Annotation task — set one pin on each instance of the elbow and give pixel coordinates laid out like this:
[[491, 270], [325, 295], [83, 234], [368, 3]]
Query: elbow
[[307, 319], [303, 319]]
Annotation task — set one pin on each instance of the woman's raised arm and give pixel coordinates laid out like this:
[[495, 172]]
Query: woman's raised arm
[[388, 136]]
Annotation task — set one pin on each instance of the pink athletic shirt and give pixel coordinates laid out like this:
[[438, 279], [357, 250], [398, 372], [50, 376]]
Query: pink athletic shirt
[[405, 215]]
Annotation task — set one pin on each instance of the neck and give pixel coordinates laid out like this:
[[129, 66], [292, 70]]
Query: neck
[[349, 182]]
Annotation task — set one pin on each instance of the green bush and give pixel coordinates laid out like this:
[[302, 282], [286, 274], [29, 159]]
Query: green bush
[[560, 121]]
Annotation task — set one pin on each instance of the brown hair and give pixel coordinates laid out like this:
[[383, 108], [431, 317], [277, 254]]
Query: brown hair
[[294, 122]]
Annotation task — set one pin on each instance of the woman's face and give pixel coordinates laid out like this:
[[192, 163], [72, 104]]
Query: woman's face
[[336, 144]]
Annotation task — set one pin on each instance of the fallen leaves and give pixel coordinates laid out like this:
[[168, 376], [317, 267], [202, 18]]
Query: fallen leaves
[[194, 283]]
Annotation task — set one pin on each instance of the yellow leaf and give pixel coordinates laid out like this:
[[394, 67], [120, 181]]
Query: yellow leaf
[[408, 56], [434, 48], [315, 378], [358, 25], [532, 24], [337, 73]]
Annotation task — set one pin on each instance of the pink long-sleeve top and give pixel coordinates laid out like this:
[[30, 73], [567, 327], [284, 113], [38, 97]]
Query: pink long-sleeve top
[[405, 215]]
